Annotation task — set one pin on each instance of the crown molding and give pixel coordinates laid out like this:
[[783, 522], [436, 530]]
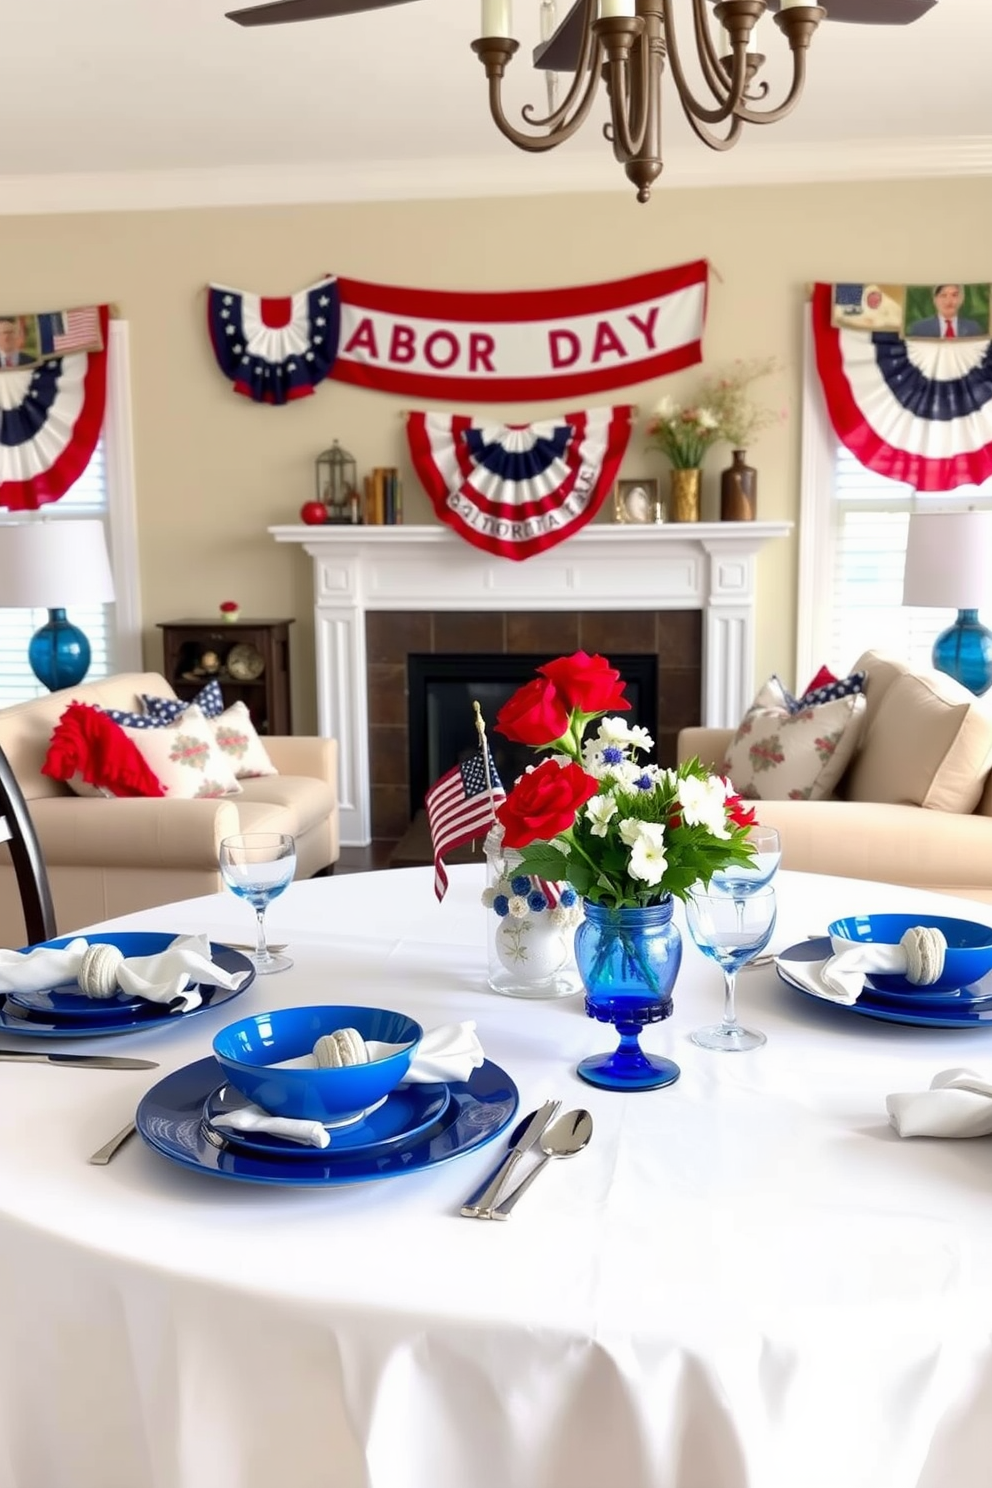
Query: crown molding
[[506, 174]]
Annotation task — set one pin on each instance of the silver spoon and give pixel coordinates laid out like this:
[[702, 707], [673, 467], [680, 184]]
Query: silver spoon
[[106, 1152], [567, 1136]]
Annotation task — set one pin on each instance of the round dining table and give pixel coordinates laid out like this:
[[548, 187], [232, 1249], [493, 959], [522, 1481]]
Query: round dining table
[[747, 1280]]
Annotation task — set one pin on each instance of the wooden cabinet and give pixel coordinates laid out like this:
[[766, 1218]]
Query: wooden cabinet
[[249, 658]]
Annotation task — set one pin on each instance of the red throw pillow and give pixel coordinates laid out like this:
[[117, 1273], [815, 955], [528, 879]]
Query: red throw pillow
[[823, 678], [87, 743]]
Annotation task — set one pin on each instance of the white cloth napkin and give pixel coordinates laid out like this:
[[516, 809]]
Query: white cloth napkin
[[161, 978], [841, 977], [449, 1052], [958, 1104], [254, 1119]]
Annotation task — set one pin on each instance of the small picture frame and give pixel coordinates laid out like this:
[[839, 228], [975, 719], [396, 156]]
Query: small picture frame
[[638, 500]]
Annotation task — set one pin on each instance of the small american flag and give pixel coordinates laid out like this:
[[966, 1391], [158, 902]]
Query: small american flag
[[459, 808], [64, 331]]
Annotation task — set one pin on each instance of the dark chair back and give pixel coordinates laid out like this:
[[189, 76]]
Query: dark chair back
[[17, 829]]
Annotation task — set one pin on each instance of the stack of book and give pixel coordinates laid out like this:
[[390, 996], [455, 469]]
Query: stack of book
[[383, 497]]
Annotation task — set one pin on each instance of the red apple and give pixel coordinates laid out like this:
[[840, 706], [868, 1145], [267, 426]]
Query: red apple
[[313, 513]]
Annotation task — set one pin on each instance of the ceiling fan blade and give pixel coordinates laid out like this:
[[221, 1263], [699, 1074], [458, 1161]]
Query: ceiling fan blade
[[873, 12], [560, 53], [281, 11]]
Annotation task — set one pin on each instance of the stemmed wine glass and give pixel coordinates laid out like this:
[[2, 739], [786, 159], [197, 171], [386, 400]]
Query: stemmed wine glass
[[739, 881], [730, 930], [258, 866]]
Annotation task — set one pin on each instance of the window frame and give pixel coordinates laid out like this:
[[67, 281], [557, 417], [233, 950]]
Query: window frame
[[122, 627]]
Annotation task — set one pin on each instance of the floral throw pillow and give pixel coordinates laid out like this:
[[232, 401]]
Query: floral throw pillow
[[781, 755], [185, 757], [235, 737], [210, 701]]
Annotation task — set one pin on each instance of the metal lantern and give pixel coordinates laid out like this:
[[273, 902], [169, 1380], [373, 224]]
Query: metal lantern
[[337, 484]]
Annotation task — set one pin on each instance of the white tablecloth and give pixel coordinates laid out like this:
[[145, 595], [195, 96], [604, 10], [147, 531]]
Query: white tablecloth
[[747, 1281]]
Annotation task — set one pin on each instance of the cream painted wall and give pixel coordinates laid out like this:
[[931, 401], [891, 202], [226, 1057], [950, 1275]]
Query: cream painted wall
[[214, 470]]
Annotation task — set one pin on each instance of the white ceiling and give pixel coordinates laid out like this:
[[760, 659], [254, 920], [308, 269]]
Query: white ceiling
[[166, 102]]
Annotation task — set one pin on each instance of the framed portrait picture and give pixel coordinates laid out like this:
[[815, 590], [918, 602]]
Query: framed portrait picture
[[637, 500]]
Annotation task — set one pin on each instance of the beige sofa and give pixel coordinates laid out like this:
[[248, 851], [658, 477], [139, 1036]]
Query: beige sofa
[[914, 805], [112, 856]]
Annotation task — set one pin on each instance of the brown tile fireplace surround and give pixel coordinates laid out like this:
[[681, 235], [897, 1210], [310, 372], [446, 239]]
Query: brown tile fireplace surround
[[674, 638], [682, 593]]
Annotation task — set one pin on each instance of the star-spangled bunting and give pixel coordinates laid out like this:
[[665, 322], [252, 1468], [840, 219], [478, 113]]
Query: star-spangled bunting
[[460, 807], [518, 489], [918, 411], [275, 349], [51, 413]]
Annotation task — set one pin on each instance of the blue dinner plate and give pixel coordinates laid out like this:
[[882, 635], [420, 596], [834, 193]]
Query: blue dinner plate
[[170, 1119], [970, 1008], [405, 1114], [57, 1013]]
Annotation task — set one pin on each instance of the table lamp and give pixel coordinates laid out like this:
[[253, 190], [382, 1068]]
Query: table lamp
[[949, 565], [51, 564]]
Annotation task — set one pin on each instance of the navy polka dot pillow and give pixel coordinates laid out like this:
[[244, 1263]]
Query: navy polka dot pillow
[[838, 688], [130, 720], [210, 701]]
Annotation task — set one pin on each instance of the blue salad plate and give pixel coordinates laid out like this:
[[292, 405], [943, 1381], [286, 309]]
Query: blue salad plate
[[400, 1117], [58, 1013], [971, 1007], [171, 1120]]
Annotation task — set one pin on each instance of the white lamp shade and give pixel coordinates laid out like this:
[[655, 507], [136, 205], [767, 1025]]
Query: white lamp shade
[[949, 560], [54, 564]]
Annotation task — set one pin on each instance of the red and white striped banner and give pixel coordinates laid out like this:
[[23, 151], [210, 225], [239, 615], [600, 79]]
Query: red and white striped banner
[[523, 344]]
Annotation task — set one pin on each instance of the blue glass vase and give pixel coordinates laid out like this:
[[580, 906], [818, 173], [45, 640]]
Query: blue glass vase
[[628, 960]]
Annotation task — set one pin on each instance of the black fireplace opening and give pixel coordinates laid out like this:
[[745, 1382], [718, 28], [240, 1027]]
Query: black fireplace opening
[[443, 687]]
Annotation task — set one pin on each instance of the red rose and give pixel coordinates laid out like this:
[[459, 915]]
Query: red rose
[[544, 802], [587, 683], [534, 715]]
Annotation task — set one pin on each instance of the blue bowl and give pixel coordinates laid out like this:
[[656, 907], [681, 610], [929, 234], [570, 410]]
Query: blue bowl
[[247, 1052], [969, 948]]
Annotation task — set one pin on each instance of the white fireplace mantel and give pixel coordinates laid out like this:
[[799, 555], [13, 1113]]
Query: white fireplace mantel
[[706, 566]]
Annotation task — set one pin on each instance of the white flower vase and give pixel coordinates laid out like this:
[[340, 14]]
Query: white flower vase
[[530, 933]]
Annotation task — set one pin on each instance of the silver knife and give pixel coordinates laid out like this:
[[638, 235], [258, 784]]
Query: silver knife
[[482, 1202], [87, 1061]]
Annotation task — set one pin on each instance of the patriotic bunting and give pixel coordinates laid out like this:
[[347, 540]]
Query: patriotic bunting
[[52, 402], [486, 347], [515, 490], [274, 349], [916, 410]]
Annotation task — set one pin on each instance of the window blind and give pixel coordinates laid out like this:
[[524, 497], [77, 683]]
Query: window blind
[[870, 522], [87, 498]]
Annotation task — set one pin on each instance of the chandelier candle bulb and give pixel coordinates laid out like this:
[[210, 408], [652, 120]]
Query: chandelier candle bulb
[[497, 18], [616, 8]]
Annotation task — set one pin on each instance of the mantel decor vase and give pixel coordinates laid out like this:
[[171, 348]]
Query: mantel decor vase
[[739, 490], [628, 960], [683, 505], [531, 927]]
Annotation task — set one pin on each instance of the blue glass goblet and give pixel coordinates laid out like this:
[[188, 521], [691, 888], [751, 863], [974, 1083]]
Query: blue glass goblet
[[730, 930]]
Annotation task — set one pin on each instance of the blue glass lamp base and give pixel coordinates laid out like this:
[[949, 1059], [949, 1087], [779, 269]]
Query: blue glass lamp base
[[964, 652], [59, 653]]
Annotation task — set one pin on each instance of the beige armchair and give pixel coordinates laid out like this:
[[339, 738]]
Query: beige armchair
[[114, 856]]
